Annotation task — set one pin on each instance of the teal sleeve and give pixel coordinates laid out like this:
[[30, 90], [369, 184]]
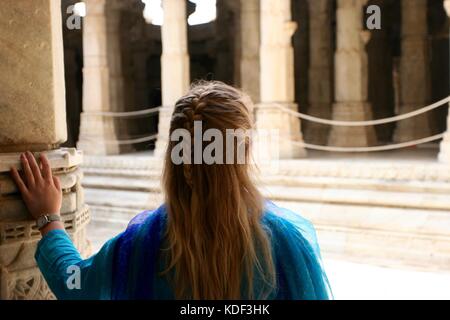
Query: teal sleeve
[[68, 275]]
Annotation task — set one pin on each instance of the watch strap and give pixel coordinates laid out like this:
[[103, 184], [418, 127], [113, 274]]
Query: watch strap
[[45, 219], [54, 217]]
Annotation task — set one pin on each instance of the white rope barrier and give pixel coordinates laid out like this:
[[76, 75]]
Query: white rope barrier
[[126, 114], [365, 123], [306, 145], [369, 149], [300, 115], [305, 117], [303, 144]]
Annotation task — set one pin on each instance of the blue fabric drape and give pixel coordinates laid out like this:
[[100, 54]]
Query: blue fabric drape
[[127, 266]]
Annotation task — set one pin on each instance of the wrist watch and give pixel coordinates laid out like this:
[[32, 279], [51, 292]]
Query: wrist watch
[[45, 219]]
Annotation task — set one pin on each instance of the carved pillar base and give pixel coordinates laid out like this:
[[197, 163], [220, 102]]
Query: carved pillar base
[[19, 276], [269, 117], [352, 136]]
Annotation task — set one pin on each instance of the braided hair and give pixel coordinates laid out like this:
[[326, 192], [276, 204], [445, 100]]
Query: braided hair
[[214, 211]]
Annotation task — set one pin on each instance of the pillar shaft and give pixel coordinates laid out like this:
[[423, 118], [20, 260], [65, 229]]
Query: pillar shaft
[[32, 102], [320, 69], [351, 77], [444, 154], [174, 65], [102, 78], [277, 77], [277, 53], [414, 71], [32, 116], [250, 38]]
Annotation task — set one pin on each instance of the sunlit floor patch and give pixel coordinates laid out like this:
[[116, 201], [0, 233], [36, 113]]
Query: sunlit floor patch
[[359, 281]]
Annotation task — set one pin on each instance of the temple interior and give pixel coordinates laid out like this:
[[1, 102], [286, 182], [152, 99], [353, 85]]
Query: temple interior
[[222, 49], [93, 84]]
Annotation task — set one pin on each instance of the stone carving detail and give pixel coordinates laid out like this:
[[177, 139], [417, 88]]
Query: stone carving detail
[[19, 276], [28, 285]]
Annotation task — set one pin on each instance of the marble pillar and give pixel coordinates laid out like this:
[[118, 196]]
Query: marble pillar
[[175, 76], [414, 71], [32, 117], [444, 154], [277, 78], [320, 69], [351, 77], [250, 37], [102, 79]]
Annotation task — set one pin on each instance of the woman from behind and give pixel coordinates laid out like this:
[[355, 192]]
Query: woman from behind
[[215, 237]]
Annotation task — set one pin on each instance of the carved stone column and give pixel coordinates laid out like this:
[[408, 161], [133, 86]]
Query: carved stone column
[[277, 77], [174, 66], [116, 77], [414, 71], [102, 79], [351, 77], [320, 69], [250, 37], [32, 117], [444, 154]]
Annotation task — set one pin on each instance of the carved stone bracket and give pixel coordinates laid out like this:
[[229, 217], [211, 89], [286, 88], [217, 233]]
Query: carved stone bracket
[[19, 276]]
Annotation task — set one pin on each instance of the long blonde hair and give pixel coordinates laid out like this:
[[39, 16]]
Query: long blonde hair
[[216, 245]]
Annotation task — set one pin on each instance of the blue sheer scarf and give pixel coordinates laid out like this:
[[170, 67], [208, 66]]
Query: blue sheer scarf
[[127, 266], [300, 273]]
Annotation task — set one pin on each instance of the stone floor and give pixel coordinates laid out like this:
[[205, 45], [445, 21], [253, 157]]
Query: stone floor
[[366, 282]]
